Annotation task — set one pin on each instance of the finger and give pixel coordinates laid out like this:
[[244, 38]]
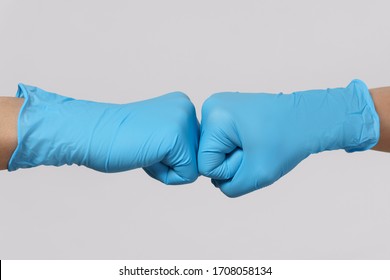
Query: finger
[[172, 176], [247, 179], [179, 166], [219, 154], [219, 165]]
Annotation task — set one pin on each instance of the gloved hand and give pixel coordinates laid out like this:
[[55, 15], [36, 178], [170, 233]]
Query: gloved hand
[[248, 141], [160, 134]]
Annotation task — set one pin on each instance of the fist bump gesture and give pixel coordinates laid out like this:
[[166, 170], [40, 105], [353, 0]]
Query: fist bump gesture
[[246, 142]]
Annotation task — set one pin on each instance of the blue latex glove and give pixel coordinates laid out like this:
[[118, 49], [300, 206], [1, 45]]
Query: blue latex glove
[[248, 141], [160, 134]]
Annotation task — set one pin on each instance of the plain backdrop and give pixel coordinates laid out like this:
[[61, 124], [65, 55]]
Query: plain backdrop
[[334, 205]]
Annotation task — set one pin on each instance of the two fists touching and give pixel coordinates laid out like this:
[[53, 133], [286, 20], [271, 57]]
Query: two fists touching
[[245, 141]]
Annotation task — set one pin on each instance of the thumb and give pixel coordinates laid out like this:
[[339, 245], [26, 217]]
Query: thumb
[[178, 175], [179, 166]]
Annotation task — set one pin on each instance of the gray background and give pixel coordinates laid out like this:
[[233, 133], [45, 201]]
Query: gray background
[[333, 205]]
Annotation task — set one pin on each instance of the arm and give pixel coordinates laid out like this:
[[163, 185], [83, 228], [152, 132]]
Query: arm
[[381, 97], [159, 135], [250, 140], [9, 111]]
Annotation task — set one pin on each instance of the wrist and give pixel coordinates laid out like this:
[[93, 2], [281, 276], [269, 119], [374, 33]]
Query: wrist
[[340, 118], [9, 111], [48, 131], [362, 125]]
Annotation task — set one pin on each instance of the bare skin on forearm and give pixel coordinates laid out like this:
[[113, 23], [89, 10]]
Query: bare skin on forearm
[[381, 97], [10, 107], [9, 111]]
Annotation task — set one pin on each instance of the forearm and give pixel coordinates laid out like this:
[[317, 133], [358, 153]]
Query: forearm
[[158, 134], [381, 97], [9, 111]]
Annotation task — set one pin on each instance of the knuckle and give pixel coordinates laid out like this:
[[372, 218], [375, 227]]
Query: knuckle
[[216, 109], [212, 101], [180, 95]]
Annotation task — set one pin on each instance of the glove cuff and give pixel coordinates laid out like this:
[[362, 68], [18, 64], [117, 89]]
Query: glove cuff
[[43, 133], [367, 136]]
